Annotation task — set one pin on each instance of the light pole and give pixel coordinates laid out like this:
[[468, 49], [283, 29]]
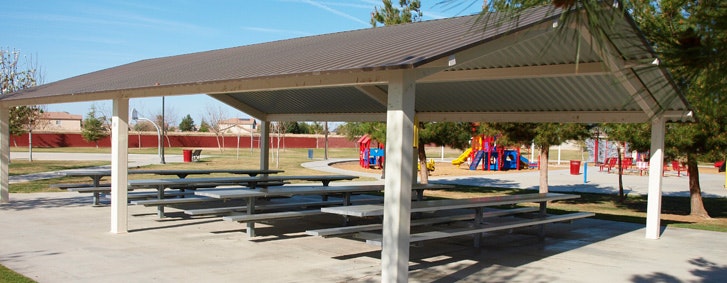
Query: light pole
[[135, 117]]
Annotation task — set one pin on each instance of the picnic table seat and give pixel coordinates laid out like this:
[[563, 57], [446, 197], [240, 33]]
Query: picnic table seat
[[350, 230], [477, 229]]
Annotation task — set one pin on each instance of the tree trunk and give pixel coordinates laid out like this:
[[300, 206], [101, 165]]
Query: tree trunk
[[620, 173], [423, 170], [695, 190], [544, 155], [30, 146]]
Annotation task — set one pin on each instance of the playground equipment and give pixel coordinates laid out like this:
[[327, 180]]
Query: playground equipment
[[370, 157], [493, 157], [374, 157]]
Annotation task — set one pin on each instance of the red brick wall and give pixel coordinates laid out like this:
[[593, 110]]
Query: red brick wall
[[178, 140]]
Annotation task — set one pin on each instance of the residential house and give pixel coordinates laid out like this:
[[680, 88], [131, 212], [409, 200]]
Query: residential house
[[238, 126], [60, 121]]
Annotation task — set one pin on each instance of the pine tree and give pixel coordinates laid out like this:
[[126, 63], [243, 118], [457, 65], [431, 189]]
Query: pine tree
[[94, 128], [187, 124]]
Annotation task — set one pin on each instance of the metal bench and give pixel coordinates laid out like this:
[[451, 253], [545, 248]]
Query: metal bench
[[349, 230], [477, 230], [478, 204], [259, 207], [272, 215], [196, 154]]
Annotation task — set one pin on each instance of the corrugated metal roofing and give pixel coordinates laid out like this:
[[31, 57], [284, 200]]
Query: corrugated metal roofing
[[319, 74]]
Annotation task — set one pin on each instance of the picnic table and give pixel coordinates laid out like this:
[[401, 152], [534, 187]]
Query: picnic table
[[277, 191], [477, 204], [96, 175], [246, 182]]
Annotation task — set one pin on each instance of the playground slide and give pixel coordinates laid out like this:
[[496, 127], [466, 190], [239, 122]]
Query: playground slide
[[524, 162], [478, 157], [462, 158]]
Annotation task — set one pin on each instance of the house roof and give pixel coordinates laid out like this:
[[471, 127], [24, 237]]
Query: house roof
[[60, 116], [238, 121], [520, 70]]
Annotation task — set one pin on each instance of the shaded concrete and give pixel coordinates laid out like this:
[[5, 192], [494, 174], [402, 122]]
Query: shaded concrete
[[58, 237]]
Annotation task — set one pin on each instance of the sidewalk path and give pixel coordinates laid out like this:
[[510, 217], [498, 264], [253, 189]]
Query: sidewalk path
[[560, 180]]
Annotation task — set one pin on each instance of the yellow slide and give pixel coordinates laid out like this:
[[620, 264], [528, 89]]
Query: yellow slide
[[462, 158]]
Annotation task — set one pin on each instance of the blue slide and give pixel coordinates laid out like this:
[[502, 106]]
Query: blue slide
[[525, 161], [478, 158]]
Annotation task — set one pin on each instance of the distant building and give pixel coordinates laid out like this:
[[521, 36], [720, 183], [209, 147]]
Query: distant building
[[60, 121], [238, 126]]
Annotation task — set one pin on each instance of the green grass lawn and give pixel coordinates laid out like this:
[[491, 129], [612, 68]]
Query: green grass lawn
[[9, 276]]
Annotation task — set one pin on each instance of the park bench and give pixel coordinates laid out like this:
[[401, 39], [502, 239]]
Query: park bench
[[349, 230], [477, 229], [478, 204], [99, 191], [251, 195], [196, 154], [226, 210]]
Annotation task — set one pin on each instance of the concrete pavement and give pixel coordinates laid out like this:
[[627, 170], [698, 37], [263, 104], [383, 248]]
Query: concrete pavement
[[58, 237]]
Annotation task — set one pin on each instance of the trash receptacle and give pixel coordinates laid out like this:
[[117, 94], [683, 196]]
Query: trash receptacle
[[575, 167], [310, 154], [187, 154]]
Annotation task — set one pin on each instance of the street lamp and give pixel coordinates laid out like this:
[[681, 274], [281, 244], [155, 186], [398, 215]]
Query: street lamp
[[135, 117]]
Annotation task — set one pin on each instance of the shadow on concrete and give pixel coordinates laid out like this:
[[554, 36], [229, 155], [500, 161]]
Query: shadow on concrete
[[455, 259], [706, 270], [47, 202]]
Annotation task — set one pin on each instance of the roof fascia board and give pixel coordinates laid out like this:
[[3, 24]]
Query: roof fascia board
[[345, 117], [550, 71], [313, 80], [537, 117], [339, 78]]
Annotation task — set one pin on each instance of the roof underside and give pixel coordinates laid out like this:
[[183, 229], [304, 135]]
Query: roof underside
[[529, 72]]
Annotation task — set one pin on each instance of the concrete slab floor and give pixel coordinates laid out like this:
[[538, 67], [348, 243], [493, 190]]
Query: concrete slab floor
[[59, 237]]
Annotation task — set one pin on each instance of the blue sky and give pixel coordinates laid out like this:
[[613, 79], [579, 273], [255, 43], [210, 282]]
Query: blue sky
[[70, 38]]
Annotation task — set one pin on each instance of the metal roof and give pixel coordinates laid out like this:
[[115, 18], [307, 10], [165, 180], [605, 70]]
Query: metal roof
[[520, 70]]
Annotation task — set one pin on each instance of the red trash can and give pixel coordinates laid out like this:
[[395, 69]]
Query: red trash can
[[575, 167], [187, 154]]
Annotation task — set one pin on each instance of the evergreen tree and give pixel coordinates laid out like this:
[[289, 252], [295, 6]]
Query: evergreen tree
[[94, 128], [691, 39], [187, 124], [690, 36], [204, 127]]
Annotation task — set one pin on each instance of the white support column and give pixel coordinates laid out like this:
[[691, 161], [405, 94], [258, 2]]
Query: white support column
[[4, 154], [119, 165], [656, 168], [399, 179], [264, 145]]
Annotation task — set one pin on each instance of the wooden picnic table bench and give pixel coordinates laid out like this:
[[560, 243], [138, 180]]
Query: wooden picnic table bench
[[478, 204], [251, 195], [247, 182]]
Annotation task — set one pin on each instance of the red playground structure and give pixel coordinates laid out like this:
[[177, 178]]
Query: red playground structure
[[370, 157], [493, 157]]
